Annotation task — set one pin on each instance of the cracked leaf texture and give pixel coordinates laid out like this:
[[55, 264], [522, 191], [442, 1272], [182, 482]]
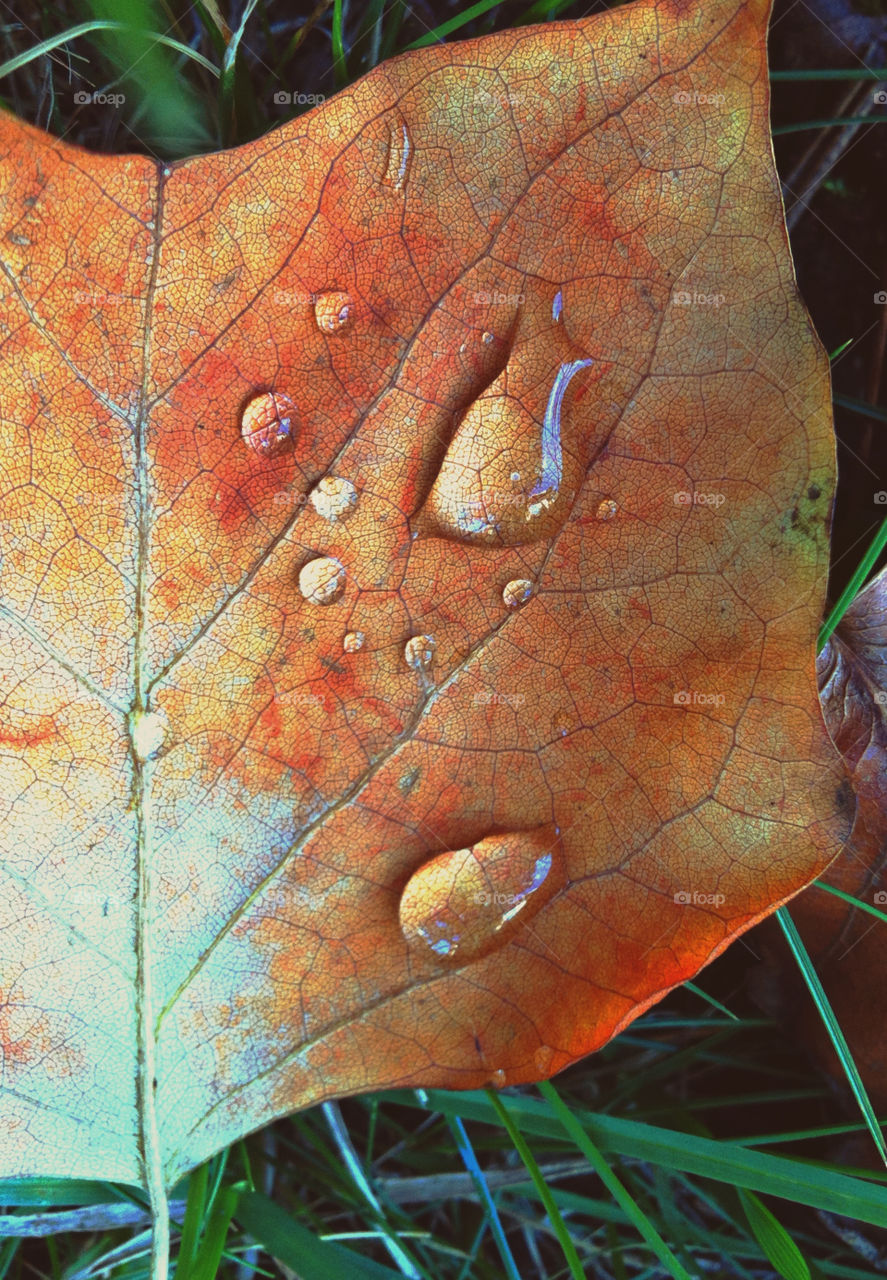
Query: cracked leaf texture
[[414, 535]]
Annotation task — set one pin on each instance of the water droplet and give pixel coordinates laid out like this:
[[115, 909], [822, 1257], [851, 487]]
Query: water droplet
[[557, 307], [269, 424], [543, 1058], [333, 497], [332, 311], [517, 592], [419, 651], [353, 641], [607, 509], [148, 731], [322, 580], [498, 1078], [464, 903], [545, 493], [486, 338], [400, 154]]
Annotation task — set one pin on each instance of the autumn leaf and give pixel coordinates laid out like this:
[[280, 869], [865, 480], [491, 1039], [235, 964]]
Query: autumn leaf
[[414, 538], [846, 942]]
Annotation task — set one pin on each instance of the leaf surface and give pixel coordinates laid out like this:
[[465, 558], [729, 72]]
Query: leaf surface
[[414, 536]]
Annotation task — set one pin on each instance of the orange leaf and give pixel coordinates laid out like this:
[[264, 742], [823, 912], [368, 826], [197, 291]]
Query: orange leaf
[[414, 541]]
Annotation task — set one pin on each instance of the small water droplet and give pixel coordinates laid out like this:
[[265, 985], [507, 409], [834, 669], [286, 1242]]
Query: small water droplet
[[464, 903], [543, 1058], [486, 338], [498, 1078], [353, 641], [322, 580], [419, 651], [400, 154], [332, 311], [557, 307], [333, 497], [607, 509], [517, 592], [268, 424]]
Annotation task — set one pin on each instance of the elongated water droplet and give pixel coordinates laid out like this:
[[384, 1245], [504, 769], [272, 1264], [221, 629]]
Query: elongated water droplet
[[322, 580], [486, 338], [607, 509], [333, 498], [543, 494], [517, 592], [269, 423], [557, 307], [465, 903], [419, 652], [148, 731], [353, 641], [332, 311], [400, 154], [543, 1058]]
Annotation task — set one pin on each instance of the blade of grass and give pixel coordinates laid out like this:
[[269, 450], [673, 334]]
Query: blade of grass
[[340, 64], [207, 1262], [847, 73], [848, 897], [290, 1241], [855, 584], [86, 28], [554, 1214], [860, 407], [622, 1197], [716, 1004], [722, 1161], [453, 24], [195, 1207], [469, 1159], [830, 1022], [773, 1238], [826, 124]]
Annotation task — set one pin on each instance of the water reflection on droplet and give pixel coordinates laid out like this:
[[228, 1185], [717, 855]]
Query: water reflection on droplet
[[419, 652], [517, 592], [400, 154], [333, 497], [332, 311], [607, 509], [546, 491], [486, 338], [464, 903], [322, 581], [557, 307], [269, 423], [353, 641], [498, 1078]]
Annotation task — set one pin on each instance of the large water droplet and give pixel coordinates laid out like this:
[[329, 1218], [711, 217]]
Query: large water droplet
[[353, 641], [400, 154], [419, 652], [332, 311], [333, 497], [322, 580], [546, 491], [517, 592], [269, 423], [465, 903]]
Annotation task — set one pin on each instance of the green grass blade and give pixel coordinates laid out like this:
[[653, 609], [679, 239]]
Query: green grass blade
[[469, 1159], [861, 407], [855, 584], [771, 1235], [554, 1213], [848, 73], [830, 1022], [453, 24], [213, 1243], [828, 123], [290, 1241], [86, 28], [195, 1207], [340, 64], [848, 897], [716, 1004], [722, 1161], [622, 1197]]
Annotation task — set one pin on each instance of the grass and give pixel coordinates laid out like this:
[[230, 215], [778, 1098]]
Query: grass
[[698, 1142]]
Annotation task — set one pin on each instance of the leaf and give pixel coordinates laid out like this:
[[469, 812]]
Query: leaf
[[414, 535], [844, 930]]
